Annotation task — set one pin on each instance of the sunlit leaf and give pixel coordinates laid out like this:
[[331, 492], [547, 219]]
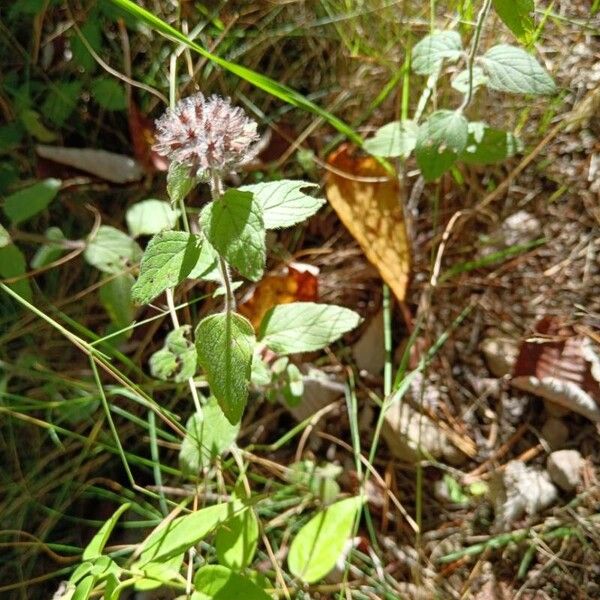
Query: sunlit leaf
[[168, 259], [305, 326], [236, 540], [111, 250], [511, 69], [394, 139], [225, 344], [283, 202], [177, 359], [234, 226], [150, 216], [430, 52], [320, 543]]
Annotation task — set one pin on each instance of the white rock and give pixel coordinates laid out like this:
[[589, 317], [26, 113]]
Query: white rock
[[521, 489], [564, 467]]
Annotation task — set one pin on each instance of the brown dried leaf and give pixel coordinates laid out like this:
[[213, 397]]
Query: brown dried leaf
[[368, 201]]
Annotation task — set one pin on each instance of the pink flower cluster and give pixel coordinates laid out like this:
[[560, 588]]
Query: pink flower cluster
[[206, 134]]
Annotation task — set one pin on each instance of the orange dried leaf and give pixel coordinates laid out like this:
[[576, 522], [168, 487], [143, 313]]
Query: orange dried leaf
[[298, 284], [373, 213]]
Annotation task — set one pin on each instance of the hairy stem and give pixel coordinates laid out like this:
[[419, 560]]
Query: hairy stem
[[216, 187], [471, 62], [175, 321]]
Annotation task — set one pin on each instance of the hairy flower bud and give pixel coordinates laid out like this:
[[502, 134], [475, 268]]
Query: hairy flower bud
[[206, 134]]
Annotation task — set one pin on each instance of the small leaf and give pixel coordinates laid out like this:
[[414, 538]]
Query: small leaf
[[28, 202], [175, 537], [12, 264], [511, 69], [177, 359], [84, 588], [283, 203], [461, 82], [115, 296], [517, 15], [430, 52], [179, 182], [234, 226], [150, 216], [214, 582], [207, 436], [236, 540], [109, 93], [169, 258], [305, 326], [397, 138], [111, 250], [320, 543], [487, 146], [33, 124], [51, 251], [94, 548], [439, 142], [225, 343], [92, 32], [61, 101]]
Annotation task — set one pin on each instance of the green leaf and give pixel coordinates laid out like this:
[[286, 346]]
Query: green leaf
[[397, 138], [150, 216], [439, 142], [177, 359], [115, 296], [234, 226], [487, 146], [155, 573], [261, 373], [96, 546], [305, 326], [84, 588], [29, 201], [33, 124], [517, 15], [511, 69], [430, 52], [207, 436], [61, 101], [51, 251], [111, 250], [175, 537], [91, 30], [283, 202], [320, 543], [169, 258], [461, 82], [207, 266], [109, 93], [225, 343], [236, 540], [12, 264], [179, 182], [214, 582]]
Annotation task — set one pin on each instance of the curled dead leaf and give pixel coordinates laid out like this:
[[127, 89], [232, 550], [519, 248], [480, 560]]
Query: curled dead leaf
[[368, 201], [561, 366]]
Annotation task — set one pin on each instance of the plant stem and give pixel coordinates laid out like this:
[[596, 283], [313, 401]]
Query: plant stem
[[175, 321], [216, 188], [471, 63]]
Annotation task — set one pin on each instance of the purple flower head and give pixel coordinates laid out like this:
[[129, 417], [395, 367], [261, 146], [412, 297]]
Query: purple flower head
[[206, 134]]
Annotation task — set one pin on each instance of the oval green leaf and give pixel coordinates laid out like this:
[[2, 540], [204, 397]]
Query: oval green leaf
[[320, 543]]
